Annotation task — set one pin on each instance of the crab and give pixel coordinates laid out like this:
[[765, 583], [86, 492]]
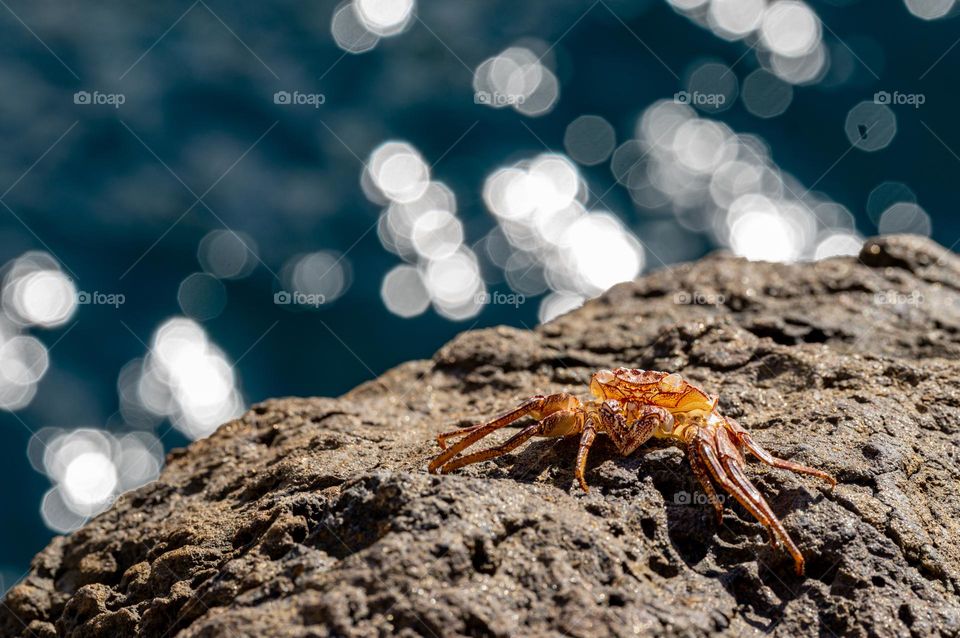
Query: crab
[[630, 406]]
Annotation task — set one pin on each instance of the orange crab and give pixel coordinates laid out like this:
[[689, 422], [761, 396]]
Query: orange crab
[[630, 406]]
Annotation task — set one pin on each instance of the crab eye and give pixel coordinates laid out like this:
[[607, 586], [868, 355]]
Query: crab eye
[[673, 382], [604, 376]]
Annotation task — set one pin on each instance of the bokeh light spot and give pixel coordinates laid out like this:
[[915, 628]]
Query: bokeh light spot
[[201, 296], [905, 217], [403, 292], [589, 140], [384, 17], [929, 9], [226, 254], [838, 244], [735, 19], [712, 87], [790, 28], [322, 276], [349, 32], [871, 127], [765, 95], [885, 195]]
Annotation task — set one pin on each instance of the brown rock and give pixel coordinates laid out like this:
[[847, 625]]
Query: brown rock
[[315, 517]]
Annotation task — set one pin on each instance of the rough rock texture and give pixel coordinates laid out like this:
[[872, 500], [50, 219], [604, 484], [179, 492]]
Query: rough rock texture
[[315, 517]]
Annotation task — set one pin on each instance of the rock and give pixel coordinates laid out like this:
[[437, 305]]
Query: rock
[[315, 517]]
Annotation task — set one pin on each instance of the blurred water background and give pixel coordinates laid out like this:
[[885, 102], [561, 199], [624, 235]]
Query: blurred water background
[[205, 205]]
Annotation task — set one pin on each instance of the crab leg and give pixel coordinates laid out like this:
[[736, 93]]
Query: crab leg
[[733, 462], [703, 476], [477, 432], [783, 464], [586, 440], [726, 471], [709, 455], [560, 423], [774, 524], [442, 438], [514, 441], [537, 406]]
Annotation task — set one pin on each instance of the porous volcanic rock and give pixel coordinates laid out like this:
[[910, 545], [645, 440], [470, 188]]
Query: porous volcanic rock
[[316, 517]]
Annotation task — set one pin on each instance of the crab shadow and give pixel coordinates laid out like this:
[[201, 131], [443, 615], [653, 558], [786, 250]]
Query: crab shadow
[[723, 551]]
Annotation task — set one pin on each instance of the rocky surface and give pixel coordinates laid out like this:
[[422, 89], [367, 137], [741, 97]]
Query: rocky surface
[[315, 517]]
